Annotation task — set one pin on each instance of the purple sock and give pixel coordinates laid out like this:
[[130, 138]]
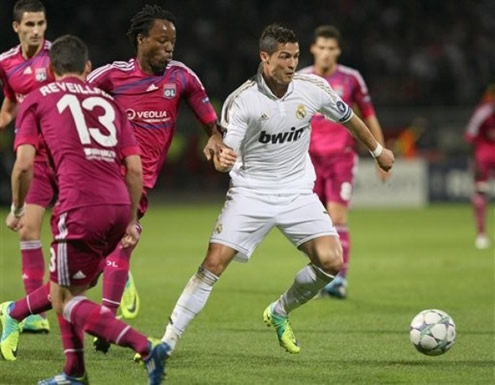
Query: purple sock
[[36, 302]]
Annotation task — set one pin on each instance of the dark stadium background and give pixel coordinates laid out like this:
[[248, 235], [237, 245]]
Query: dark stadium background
[[426, 64]]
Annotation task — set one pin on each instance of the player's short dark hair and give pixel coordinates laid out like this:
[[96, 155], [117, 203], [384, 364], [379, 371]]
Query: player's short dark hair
[[22, 6], [68, 55], [142, 21], [275, 34], [327, 32]]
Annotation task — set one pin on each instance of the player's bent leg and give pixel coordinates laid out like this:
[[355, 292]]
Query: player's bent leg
[[129, 304], [197, 291], [96, 320], [13, 314], [119, 289], [118, 285], [33, 264], [74, 371], [129, 299], [325, 254]]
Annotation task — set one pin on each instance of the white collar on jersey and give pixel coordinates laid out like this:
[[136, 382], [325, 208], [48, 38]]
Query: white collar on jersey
[[263, 87]]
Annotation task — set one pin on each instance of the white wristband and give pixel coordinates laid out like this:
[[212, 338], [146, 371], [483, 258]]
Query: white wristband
[[377, 151], [17, 212]]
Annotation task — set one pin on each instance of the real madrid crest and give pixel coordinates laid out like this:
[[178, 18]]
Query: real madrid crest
[[301, 111], [219, 228]]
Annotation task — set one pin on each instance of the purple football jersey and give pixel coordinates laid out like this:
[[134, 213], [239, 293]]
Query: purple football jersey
[[87, 136], [152, 105], [20, 76]]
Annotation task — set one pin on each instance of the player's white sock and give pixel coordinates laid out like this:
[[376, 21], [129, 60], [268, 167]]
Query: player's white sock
[[191, 302], [307, 283]]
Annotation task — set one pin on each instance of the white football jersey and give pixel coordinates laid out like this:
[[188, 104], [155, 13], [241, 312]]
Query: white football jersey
[[271, 135]]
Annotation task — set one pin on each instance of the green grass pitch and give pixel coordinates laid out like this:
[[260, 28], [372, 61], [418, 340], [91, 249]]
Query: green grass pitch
[[403, 261]]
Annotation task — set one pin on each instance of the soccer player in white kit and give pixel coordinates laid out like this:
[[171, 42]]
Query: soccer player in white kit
[[267, 122]]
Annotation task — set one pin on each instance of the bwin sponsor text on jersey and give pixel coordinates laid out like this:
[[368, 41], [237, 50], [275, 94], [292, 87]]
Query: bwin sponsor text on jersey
[[281, 137]]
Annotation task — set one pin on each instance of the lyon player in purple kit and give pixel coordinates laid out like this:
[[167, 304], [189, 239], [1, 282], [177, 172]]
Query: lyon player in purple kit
[[333, 149], [150, 88], [480, 132], [89, 140], [23, 69]]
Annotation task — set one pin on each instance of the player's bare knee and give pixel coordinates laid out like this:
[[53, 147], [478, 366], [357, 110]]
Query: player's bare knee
[[331, 259], [214, 262], [218, 258], [29, 232], [213, 266]]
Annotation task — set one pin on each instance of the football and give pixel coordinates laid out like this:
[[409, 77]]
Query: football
[[432, 332]]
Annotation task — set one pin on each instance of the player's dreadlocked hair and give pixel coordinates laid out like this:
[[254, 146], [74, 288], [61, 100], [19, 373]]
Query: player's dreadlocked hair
[[275, 34], [142, 21], [22, 6]]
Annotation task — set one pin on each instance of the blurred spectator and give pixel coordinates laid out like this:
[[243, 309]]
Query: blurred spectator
[[406, 144]]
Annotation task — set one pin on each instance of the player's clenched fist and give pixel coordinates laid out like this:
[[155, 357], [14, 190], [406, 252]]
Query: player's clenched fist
[[131, 236], [386, 159], [224, 159]]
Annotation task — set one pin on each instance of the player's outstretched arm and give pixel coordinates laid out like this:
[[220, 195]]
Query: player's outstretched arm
[[383, 156], [22, 174]]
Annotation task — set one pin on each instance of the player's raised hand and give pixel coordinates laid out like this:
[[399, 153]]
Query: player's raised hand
[[225, 159], [131, 236], [385, 160]]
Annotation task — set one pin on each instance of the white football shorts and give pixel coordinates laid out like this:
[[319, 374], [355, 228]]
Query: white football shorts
[[247, 218]]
